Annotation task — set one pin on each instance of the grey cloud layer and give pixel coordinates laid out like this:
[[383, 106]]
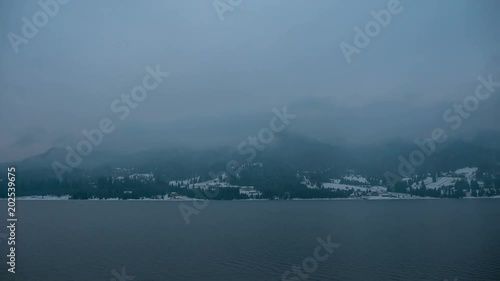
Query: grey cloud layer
[[263, 55]]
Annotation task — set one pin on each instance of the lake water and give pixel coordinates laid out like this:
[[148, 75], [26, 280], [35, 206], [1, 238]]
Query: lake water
[[257, 240]]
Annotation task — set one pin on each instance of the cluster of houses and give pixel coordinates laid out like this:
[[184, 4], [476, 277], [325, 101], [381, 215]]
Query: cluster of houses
[[358, 184], [446, 181], [191, 183], [195, 182], [361, 187]]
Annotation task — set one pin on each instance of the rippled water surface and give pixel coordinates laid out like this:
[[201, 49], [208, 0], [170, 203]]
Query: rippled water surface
[[379, 240]]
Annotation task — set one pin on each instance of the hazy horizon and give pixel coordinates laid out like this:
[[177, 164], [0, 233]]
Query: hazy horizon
[[227, 76]]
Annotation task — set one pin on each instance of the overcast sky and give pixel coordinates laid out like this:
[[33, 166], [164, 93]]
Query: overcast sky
[[264, 54]]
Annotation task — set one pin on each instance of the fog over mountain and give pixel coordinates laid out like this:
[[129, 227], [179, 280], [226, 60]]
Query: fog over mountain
[[249, 140], [227, 76]]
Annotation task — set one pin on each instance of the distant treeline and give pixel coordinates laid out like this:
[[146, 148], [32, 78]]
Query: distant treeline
[[273, 180]]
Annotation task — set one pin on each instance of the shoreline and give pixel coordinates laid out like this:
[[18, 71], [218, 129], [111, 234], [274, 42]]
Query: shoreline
[[372, 198]]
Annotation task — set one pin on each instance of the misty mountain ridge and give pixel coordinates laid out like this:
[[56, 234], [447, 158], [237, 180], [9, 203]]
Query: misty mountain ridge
[[320, 117], [287, 149]]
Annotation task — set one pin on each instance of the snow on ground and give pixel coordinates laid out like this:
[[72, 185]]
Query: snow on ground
[[141, 176], [356, 178], [468, 172], [249, 191], [46, 197], [184, 182], [178, 198], [396, 197], [209, 184], [307, 183], [335, 184], [330, 185], [440, 182]]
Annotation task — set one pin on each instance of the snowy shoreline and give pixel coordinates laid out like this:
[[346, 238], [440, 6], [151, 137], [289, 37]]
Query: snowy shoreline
[[377, 198]]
